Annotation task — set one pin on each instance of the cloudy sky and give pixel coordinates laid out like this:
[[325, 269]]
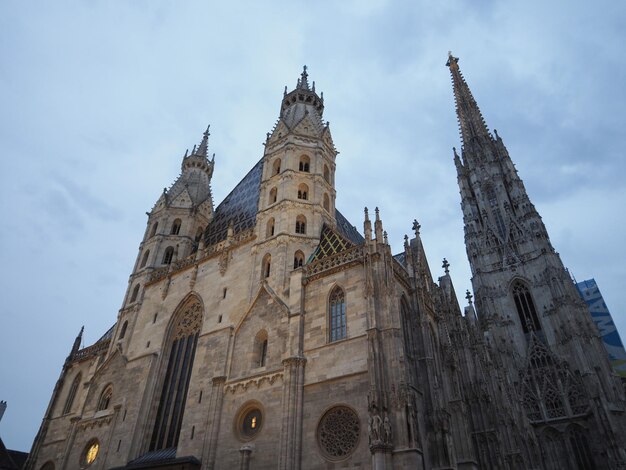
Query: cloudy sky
[[100, 99]]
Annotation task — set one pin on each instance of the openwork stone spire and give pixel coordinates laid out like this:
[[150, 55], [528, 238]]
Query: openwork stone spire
[[471, 122]]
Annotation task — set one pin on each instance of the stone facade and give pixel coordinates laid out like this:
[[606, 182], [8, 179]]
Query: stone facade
[[268, 333]]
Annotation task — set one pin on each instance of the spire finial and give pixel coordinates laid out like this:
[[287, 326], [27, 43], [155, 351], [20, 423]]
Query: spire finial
[[468, 296], [204, 145], [416, 227], [303, 81], [446, 266], [377, 213], [367, 215]]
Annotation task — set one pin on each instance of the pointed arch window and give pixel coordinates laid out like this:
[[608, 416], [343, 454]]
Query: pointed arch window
[[269, 232], [273, 195], [276, 167], [326, 202], [305, 164], [176, 227], [135, 294], [181, 344], [144, 260], [303, 192], [298, 259], [260, 349], [326, 174], [337, 314], [495, 210], [580, 447], [123, 330], [168, 255], [69, 401], [301, 224], [525, 307], [267, 265], [154, 229], [105, 398]]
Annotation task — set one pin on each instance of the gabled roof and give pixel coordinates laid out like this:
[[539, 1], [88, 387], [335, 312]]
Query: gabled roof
[[239, 207]]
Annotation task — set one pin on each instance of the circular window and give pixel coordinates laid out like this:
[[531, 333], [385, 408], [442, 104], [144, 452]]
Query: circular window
[[338, 432], [249, 422], [91, 453]]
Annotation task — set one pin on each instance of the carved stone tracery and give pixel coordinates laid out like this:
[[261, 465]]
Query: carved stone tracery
[[338, 432]]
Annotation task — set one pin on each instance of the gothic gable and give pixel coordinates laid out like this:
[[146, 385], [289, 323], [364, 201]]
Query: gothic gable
[[265, 320], [549, 388]]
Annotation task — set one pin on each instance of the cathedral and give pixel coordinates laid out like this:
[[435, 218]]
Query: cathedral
[[269, 332]]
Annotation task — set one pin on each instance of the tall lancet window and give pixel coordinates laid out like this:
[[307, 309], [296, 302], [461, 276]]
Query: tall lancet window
[[525, 307], [495, 210], [337, 317], [181, 346]]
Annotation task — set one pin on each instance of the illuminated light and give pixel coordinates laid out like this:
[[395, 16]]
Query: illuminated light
[[92, 453]]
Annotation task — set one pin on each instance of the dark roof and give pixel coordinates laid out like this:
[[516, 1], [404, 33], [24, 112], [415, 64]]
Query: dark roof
[[163, 458], [401, 258], [11, 459], [240, 207], [107, 335], [346, 229]]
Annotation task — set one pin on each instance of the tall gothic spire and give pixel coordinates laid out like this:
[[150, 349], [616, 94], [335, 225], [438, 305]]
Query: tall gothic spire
[[204, 145], [471, 122]]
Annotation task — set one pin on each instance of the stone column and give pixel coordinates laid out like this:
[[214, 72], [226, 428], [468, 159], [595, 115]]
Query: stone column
[[70, 441], [214, 420], [244, 462], [291, 433]]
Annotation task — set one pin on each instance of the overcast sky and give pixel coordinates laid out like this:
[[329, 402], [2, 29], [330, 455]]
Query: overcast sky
[[100, 99]]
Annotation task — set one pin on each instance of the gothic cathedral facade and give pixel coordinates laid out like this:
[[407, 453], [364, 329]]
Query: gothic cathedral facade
[[268, 332]]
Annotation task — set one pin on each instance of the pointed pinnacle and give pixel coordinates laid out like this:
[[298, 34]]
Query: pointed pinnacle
[[367, 215], [204, 145], [303, 81]]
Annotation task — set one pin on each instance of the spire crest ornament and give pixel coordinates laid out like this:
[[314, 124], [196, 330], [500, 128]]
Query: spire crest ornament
[[446, 266], [303, 81], [471, 122], [416, 227]]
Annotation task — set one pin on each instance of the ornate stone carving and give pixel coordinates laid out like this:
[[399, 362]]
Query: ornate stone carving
[[189, 322], [243, 385], [333, 263], [338, 432]]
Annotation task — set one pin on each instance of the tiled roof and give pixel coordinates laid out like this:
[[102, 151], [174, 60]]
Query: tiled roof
[[347, 230], [240, 207]]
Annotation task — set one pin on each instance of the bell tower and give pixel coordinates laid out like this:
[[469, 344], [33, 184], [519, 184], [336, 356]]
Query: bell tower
[[297, 193], [529, 310], [177, 220]]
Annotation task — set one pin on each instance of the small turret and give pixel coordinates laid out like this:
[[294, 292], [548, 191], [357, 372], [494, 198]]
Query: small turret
[[367, 226], [378, 226]]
